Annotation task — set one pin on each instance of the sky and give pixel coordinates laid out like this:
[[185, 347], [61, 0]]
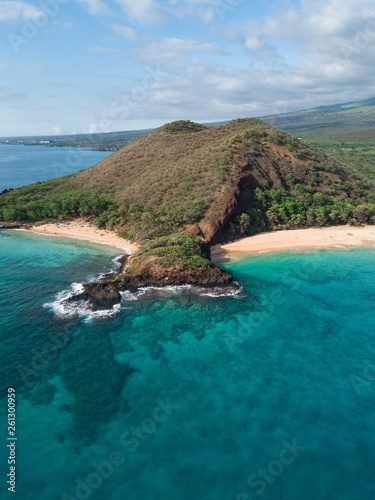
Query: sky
[[81, 66]]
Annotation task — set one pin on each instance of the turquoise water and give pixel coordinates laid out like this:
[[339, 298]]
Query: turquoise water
[[23, 165], [191, 397]]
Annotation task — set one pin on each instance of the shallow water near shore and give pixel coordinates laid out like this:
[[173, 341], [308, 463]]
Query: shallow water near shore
[[268, 394]]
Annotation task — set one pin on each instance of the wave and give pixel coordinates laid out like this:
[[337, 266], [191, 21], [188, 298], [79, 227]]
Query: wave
[[170, 291], [342, 246], [222, 292], [117, 264], [61, 307]]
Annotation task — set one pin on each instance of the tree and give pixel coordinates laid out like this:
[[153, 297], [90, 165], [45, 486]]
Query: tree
[[244, 222]]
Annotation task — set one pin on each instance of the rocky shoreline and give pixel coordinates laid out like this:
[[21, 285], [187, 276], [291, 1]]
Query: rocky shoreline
[[139, 272], [106, 293]]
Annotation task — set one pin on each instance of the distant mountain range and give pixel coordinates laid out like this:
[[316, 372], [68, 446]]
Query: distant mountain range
[[346, 131], [350, 122]]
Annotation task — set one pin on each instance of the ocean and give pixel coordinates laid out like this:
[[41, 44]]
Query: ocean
[[267, 394], [23, 165]]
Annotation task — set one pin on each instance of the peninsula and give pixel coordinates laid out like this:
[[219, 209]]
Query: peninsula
[[180, 189]]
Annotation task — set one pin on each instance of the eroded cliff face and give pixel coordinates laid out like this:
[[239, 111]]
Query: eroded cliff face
[[266, 167]]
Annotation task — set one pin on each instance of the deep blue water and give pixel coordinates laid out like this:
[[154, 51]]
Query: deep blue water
[[23, 165], [269, 394]]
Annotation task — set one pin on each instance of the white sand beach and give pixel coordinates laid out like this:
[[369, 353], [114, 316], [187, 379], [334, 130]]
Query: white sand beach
[[344, 237], [83, 230]]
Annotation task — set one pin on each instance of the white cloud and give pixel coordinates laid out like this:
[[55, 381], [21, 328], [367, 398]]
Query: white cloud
[[103, 49], [253, 43], [202, 92], [95, 7], [321, 53], [99, 127], [170, 48], [318, 27], [207, 10], [56, 130], [324, 49], [227, 83], [29, 68], [106, 38], [93, 128], [21, 68], [124, 31], [7, 94], [144, 11], [13, 10]]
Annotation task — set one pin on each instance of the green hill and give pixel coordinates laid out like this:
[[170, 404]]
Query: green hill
[[185, 186], [346, 131]]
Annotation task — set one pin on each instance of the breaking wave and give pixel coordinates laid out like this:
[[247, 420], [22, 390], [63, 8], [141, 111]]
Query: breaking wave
[[61, 307]]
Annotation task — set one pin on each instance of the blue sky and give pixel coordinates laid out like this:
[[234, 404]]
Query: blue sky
[[73, 66]]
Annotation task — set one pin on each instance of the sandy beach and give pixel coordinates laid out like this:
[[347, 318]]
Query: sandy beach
[[80, 229], [344, 237]]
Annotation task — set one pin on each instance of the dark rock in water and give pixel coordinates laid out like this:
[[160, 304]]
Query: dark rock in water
[[106, 294], [211, 277], [5, 191], [100, 296]]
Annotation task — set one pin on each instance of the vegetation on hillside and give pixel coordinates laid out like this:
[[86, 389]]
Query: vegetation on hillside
[[302, 207], [187, 174], [183, 127]]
